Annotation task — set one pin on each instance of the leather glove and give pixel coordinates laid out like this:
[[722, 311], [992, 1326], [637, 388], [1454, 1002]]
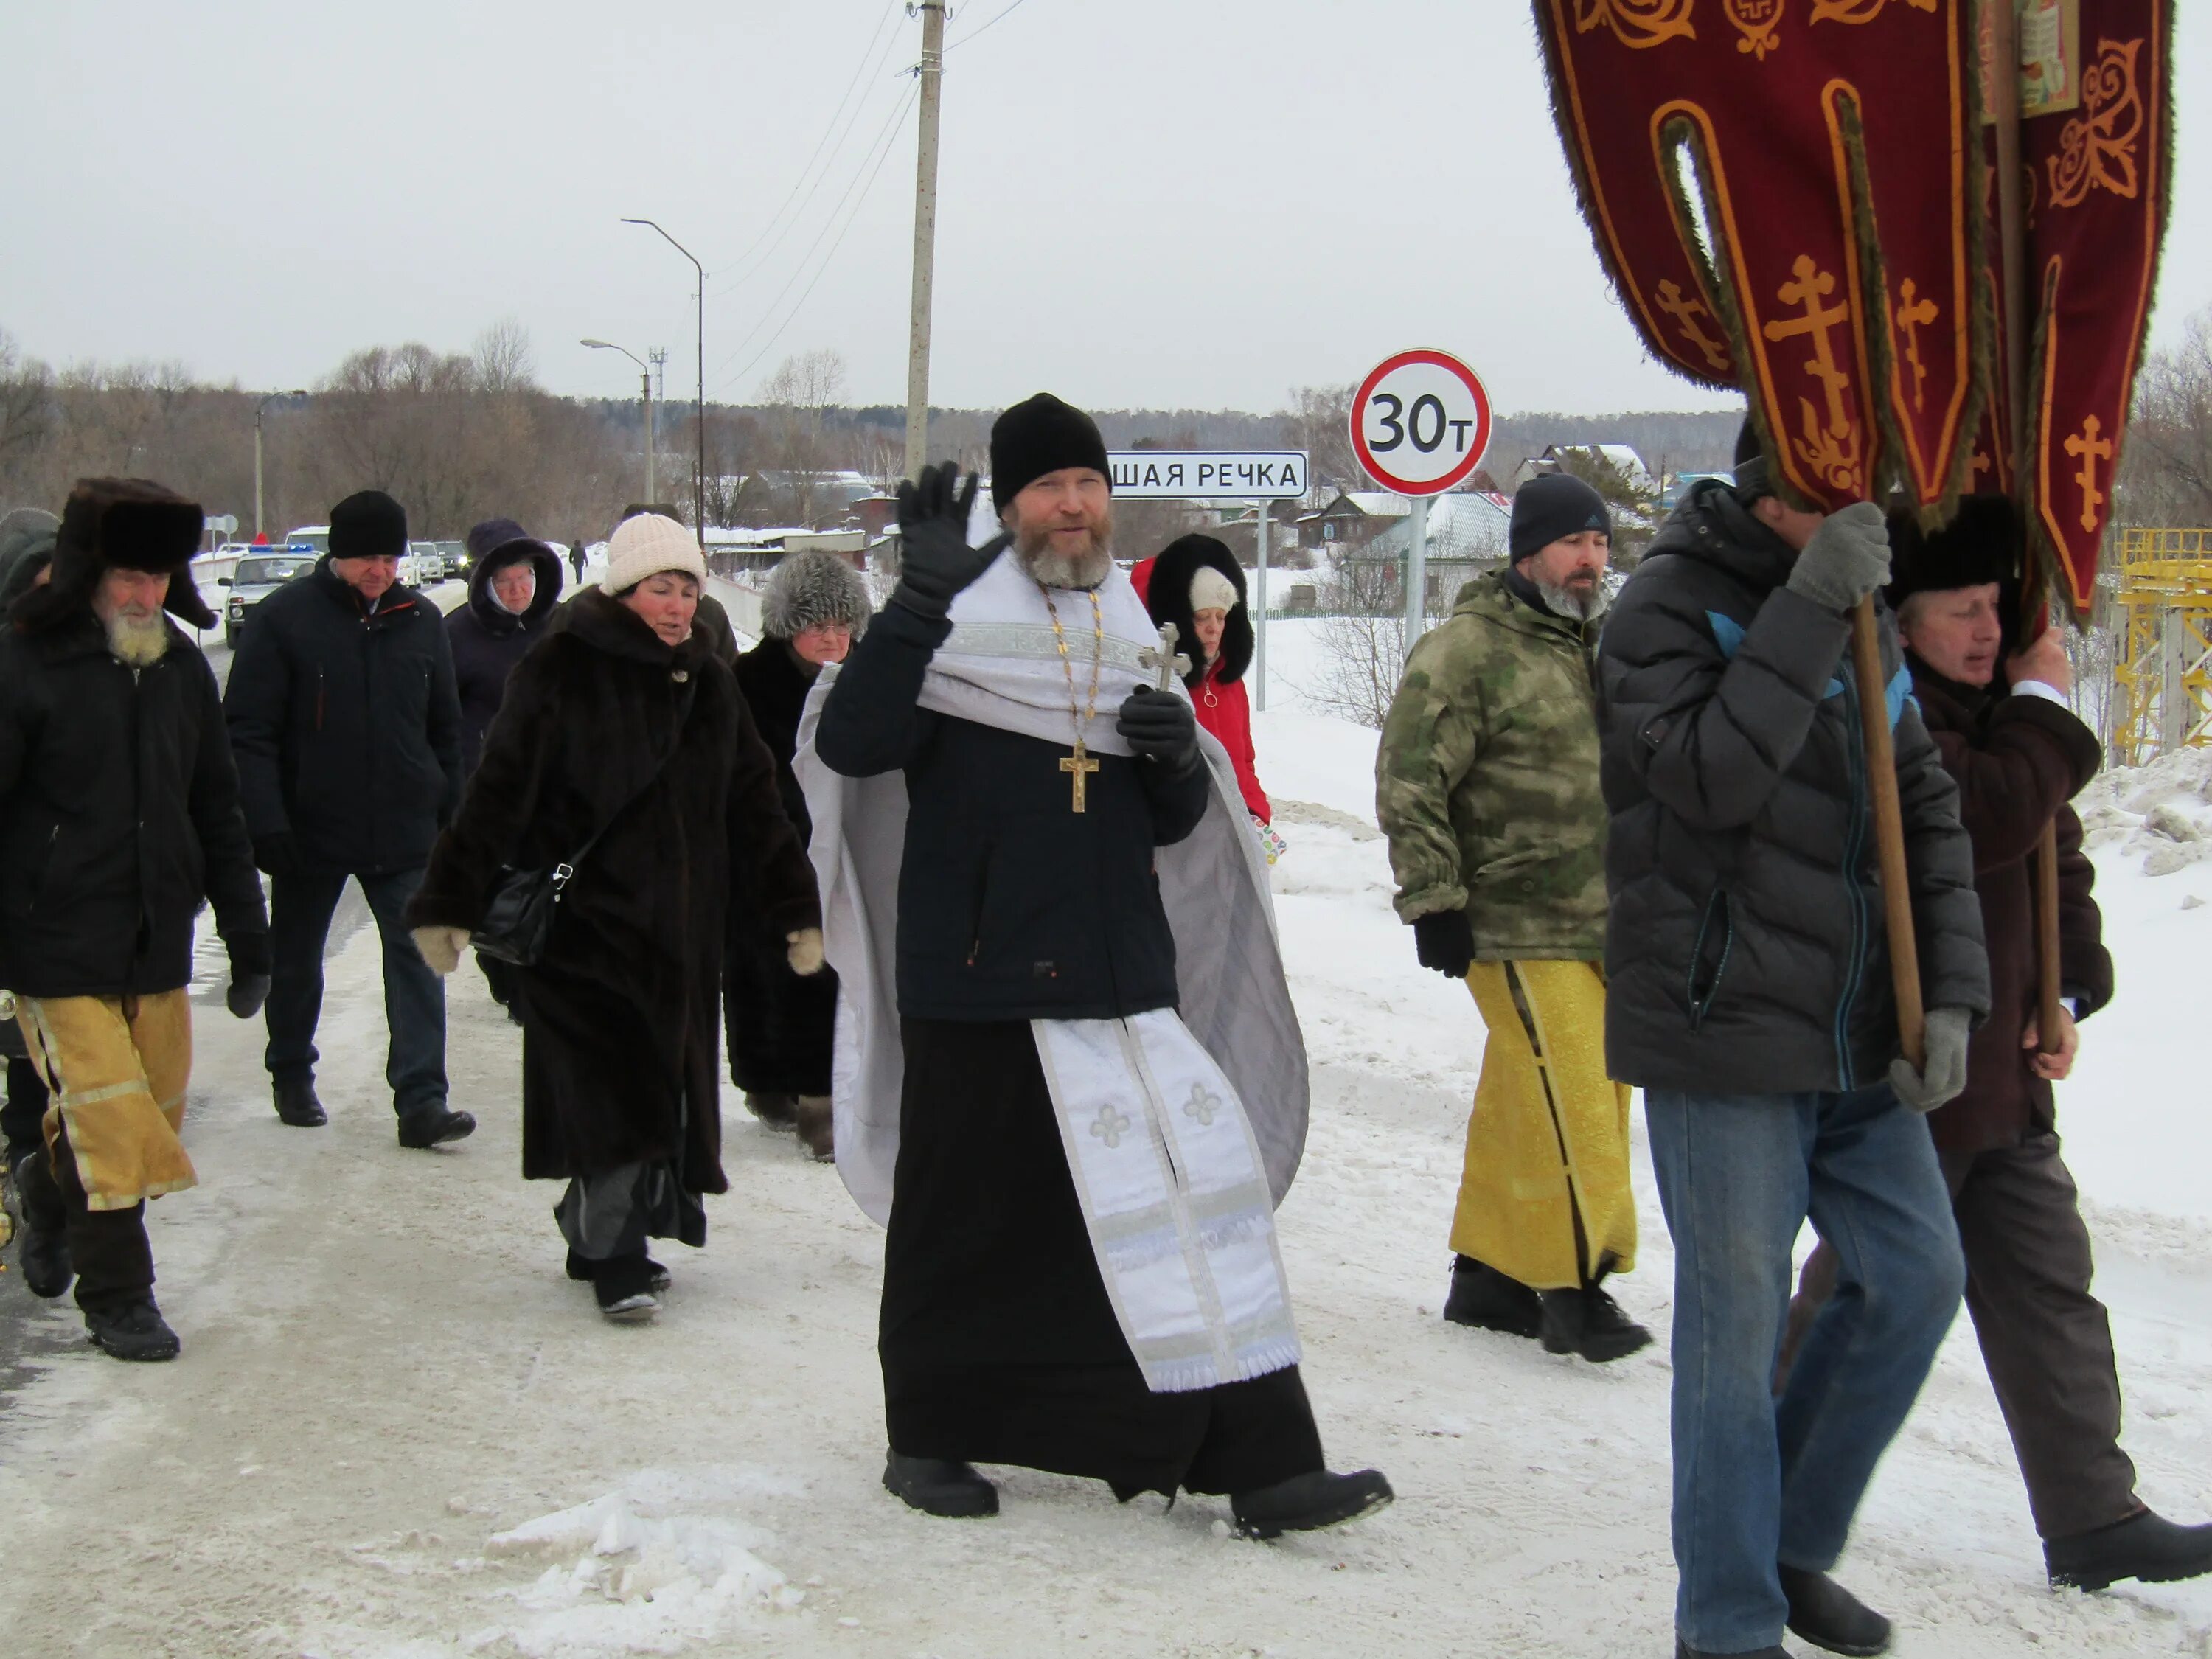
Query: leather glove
[[278, 854], [1161, 725], [1846, 559], [805, 955], [1944, 1077], [246, 993], [441, 947], [935, 562], [1444, 940]]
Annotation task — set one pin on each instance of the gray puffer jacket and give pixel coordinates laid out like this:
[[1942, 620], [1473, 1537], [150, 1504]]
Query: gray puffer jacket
[[1745, 948]]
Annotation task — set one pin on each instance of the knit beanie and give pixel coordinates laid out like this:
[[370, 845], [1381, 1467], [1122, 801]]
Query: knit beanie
[[1211, 591], [1039, 436], [646, 546], [1551, 507], [369, 524], [809, 590]]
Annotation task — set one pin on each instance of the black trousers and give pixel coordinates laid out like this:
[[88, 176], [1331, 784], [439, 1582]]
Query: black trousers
[[300, 906], [115, 1263], [997, 1340], [23, 1110]]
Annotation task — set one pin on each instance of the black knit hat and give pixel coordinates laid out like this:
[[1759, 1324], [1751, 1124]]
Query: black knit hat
[[1550, 507], [1752, 479], [1039, 436], [368, 525], [1982, 543], [119, 524]]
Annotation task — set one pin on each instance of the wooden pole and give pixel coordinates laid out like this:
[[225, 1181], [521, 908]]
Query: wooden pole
[[2012, 250], [1889, 835]]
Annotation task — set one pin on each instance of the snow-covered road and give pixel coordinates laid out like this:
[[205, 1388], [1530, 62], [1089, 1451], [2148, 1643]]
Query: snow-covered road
[[399, 1430]]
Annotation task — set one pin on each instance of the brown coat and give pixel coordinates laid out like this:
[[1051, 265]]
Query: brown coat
[[620, 1018], [2017, 761]]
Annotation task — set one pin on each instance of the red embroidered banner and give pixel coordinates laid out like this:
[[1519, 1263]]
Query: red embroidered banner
[[1785, 195]]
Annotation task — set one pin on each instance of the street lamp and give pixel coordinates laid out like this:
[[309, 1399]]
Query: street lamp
[[258, 410], [699, 479], [646, 374]]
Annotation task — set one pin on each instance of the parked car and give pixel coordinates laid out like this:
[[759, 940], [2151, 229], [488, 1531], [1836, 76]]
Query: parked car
[[259, 575], [457, 557]]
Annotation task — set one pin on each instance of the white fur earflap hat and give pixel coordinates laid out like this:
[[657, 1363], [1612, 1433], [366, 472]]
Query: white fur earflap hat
[[648, 544]]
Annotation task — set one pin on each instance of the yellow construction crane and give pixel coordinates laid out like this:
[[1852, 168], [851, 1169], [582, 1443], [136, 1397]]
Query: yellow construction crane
[[2162, 679]]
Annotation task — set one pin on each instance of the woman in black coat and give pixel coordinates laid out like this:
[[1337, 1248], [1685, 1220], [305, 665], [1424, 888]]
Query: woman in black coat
[[782, 1026], [625, 722]]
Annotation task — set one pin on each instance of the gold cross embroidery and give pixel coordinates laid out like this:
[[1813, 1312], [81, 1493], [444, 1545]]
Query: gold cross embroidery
[[1081, 765], [2089, 449], [1686, 312], [1913, 314], [1808, 287]]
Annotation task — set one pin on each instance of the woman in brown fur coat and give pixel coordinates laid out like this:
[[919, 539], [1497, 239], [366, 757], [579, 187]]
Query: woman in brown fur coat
[[626, 721]]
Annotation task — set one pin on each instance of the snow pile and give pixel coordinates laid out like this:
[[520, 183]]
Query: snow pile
[[2162, 811], [649, 1568]]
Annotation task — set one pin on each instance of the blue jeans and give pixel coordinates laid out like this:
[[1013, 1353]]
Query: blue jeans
[[1759, 1480], [301, 905]]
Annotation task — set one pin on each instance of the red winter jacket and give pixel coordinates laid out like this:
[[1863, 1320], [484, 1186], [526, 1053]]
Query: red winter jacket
[[1224, 710]]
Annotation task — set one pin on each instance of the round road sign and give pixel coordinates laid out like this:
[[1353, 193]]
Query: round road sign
[[1420, 423]]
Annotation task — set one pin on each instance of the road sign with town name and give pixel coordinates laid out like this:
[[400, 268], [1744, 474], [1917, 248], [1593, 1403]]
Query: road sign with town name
[[1207, 475], [1420, 422]]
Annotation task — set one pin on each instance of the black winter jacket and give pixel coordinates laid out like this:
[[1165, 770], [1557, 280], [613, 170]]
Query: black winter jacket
[[118, 818], [346, 725], [1745, 951], [1010, 906], [488, 641]]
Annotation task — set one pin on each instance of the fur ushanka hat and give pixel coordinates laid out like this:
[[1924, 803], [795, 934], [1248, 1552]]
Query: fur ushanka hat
[[118, 524], [1167, 598], [1982, 543], [811, 589]]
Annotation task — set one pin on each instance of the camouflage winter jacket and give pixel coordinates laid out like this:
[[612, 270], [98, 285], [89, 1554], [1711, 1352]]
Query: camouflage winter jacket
[[1487, 785]]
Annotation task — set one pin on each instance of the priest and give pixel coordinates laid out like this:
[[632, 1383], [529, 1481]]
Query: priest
[[1068, 1075]]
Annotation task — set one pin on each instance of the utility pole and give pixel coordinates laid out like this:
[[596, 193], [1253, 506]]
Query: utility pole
[[924, 236], [258, 411], [645, 376]]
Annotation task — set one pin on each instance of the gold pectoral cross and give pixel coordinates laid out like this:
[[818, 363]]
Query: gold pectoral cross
[[1082, 766]]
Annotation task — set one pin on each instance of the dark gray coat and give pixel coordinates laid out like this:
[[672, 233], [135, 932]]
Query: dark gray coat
[[1744, 950]]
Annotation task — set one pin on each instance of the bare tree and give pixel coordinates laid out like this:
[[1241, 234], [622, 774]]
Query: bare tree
[[798, 443], [1318, 420]]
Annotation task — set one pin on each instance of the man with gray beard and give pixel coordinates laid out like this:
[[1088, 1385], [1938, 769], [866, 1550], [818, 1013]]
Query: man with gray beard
[[1075, 1102], [119, 817]]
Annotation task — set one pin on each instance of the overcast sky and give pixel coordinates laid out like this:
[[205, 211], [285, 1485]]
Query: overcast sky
[[1162, 202]]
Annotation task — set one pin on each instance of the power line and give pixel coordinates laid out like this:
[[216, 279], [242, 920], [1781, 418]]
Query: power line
[[986, 26], [882, 155]]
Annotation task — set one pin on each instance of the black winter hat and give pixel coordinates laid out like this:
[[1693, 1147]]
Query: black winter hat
[[1551, 506], [1039, 436], [1167, 600], [27, 547], [368, 524], [491, 535], [119, 524], [1982, 543], [1752, 479]]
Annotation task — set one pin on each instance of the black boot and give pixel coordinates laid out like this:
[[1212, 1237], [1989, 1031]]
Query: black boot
[[1307, 1503], [135, 1331], [2146, 1546], [623, 1287], [296, 1104], [1589, 1322], [584, 1270], [1684, 1650], [43, 1254], [777, 1112], [1829, 1616], [937, 1486], [434, 1126], [1484, 1297]]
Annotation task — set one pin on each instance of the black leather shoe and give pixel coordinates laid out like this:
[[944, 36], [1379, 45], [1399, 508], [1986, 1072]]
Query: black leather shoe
[[584, 1270], [622, 1286], [937, 1486], [1829, 1616], [1589, 1322], [1684, 1650], [434, 1126], [1307, 1503], [296, 1104], [2146, 1546], [1485, 1298], [137, 1332]]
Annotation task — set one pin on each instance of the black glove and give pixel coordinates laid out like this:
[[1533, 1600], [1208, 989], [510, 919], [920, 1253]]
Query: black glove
[[935, 562], [1444, 940], [278, 854], [1161, 725], [246, 993]]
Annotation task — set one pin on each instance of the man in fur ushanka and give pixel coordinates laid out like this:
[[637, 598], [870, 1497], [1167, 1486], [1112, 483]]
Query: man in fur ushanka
[[1069, 1077], [119, 817]]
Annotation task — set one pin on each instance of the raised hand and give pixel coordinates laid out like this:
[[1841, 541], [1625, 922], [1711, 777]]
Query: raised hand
[[935, 562]]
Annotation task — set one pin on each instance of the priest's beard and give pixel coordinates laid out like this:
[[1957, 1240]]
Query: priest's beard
[[1034, 552], [137, 641], [1588, 605]]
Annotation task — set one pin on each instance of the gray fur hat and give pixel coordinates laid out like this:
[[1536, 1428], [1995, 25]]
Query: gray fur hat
[[809, 589]]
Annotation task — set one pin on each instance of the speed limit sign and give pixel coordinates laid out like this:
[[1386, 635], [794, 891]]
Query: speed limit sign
[[1420, 422]]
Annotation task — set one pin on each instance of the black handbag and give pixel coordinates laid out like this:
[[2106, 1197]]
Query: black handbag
[[518, 918]]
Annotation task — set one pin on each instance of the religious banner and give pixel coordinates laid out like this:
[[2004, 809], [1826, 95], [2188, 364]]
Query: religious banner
[[1787, 195]]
